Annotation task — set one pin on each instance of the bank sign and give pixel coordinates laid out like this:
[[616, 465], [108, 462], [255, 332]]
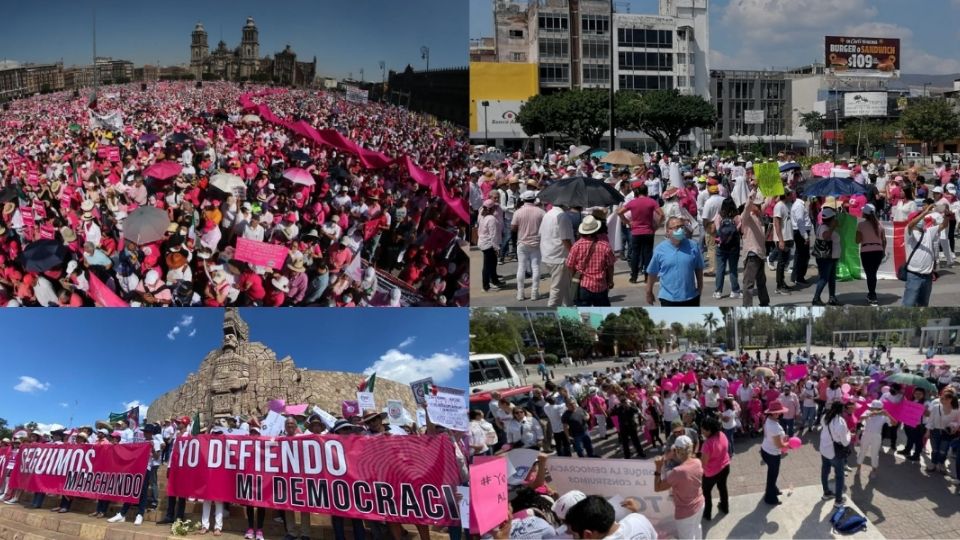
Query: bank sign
[[862, 56], [498, 120]]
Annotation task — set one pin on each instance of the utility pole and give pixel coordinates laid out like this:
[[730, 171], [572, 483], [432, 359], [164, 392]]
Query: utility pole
[[425, 55], [536, 341], [613, 136]]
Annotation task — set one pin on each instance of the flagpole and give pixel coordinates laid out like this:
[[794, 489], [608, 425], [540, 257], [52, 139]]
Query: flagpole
[[96, 72]]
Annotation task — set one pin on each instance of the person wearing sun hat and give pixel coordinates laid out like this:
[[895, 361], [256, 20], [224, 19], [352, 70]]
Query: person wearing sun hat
[[921, 248], [593, 259], [774, 442], [871, 439]]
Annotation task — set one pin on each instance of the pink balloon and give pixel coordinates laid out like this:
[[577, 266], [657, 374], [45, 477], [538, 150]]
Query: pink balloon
[[845, 388], [794, 442]]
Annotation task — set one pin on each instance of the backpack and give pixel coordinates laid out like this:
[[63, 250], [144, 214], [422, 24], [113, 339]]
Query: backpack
[[846, 520], [728, 237]]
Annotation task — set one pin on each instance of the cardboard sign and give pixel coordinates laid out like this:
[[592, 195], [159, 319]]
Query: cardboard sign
[[366, 402], [488, 494], [27, 213], [768, 179], [448, 410], [395, 411], [260, 253], [420, 388], [349, 408], [519, 463], [272, 425], [908, 412]]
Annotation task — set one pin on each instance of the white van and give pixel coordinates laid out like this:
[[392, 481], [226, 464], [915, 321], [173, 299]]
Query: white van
[[492, 372]]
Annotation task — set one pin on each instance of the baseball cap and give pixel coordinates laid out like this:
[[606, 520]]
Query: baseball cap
[[683, 443], [566, 501], [869, 209], [528, 195]]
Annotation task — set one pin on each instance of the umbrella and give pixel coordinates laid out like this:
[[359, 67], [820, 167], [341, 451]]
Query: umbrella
[[598, 153], [912, 380], [299, 176], [299, 155], [74, 127], [251, 119], [149, 138], [8, 194], [789, 166], [493, 157], [43, 255], [227, 182], [688, 357], [146, 224], [832, 186], [579, 150], [580, 191], [163, 170], [764, 371], [622, 157], [935, 361], [179, 138]]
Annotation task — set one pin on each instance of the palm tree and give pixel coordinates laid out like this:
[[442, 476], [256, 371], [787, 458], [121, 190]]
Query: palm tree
[[711, 322]]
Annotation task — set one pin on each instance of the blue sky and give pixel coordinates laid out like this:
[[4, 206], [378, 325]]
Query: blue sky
[[345, 35], [91, 362], [753, 34]]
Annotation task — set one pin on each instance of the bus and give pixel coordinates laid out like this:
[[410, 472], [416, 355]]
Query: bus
[[492, 372]]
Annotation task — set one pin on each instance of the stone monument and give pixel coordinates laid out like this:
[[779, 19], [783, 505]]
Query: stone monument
[[241, 377]]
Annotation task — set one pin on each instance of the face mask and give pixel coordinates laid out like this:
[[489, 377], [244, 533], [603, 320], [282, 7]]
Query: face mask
[[679, 234]]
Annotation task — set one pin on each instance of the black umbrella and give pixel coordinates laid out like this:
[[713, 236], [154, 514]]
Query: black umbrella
[[43, 255], [8, 194], [299, 155], [179, 138], [580, 191], [789, 166]]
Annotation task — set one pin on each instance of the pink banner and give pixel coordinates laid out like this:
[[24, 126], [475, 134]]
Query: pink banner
[[821, 169], [113, 472], [102, 295], [908, 412], [399, 479], [733, 387], [488, 494], [795, 373], [260, 253]]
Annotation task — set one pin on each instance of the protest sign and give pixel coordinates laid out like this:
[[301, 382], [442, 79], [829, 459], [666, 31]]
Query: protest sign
[[366, 402], [821, 169], [519, 463], [108, 472], [464, 492], [795, 373], [395, 411], [768, 179], [448, 410], [612, 477], [356, 95], [420, 388], [488, 494], [400, 479], [733, 387], [421, 418], [908, 412], [102, 295], [328, 419], [260, 253], [272, 425], [27, 215], [350, 408]]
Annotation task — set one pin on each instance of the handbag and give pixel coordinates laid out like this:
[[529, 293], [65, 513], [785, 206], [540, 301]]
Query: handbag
[[902, 269], [575, 279], [840, 451], [822, 249]]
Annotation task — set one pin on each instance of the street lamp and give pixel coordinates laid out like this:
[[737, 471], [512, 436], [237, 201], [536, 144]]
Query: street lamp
[[860, 99], [383, 81], [425, 55], [486, 133]]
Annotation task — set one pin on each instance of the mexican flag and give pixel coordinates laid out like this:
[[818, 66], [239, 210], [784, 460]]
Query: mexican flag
[[367, 385], [195, 429]]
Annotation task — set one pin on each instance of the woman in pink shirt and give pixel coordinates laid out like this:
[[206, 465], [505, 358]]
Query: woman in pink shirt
[[685, 482], [716, 465]]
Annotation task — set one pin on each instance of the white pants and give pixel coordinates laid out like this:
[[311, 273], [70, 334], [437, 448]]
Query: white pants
[[945, 248], [869, 448], [601, 425], [528, 257], [560, 276], [689, 528], [217, 516]]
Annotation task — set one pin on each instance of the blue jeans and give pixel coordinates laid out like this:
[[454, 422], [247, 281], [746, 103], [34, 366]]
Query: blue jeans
[[938, 447], [729, 433], [917, 290], [581, 442], [809, 416], [771, 492], [788, 425], [837, 465], [142, 506], [727, 262], [826, 277]]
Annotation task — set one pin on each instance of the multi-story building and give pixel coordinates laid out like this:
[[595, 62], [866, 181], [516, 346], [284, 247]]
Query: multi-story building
[[483, 50], [42, 78], [438, 92], [112, 71], [11, 80], [737, 94]]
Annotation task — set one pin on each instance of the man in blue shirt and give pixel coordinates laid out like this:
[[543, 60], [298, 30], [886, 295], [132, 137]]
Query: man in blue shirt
[[678, 265]]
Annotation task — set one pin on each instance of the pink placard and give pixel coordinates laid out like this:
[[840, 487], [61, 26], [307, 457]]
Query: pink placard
[[795, 373], [821, 169], [277, 405], [26, 212], [908, 412], [260, 253], [102, 295], [488, 494], [733, 387]]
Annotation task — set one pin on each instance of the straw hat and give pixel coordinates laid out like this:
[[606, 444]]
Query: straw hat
[[589, 225], [176, 260], [296, 265], [281, 283]]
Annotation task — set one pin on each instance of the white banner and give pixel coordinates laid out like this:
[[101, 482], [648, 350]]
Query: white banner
[[112, 120], [612, 478], [355, 94], [857, 104], [498, 119], [366, 402], [753, 116]]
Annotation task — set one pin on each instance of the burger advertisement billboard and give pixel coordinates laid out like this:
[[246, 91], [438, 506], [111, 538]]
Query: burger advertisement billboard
[[862, 56]]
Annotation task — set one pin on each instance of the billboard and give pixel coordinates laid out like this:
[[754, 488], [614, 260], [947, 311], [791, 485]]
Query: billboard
[[862, 56], [859, 104], [355, 94], [753, 116], [504, 87]]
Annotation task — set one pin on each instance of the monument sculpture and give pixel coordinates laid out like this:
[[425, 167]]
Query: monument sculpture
[[241, 377]]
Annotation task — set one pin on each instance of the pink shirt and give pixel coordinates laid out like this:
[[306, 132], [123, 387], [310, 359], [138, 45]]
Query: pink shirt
[[686, 481], [715, 454], [642, 215]]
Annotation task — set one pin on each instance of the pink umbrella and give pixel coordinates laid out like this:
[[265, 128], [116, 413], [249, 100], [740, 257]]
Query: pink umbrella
[[163, 170], [935, 361], [299, 176]]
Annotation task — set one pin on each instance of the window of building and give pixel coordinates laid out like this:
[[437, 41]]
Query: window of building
[[554, 73], [517, 57], [644, 61], [553, 23], [516, 34], [681, 81], [596, 73], [638, 37], [681, 59], [596, 49], [645, 82], [554, 48], [595, 24]]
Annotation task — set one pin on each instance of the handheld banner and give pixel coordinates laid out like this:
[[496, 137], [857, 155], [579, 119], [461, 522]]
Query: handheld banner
[[110, 472], [768, 179], [260, 253], [488, 491], [400, 479]]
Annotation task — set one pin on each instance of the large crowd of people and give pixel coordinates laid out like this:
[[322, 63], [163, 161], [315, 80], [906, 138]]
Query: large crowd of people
[[162, 436], [141, 197], [716, 222], [838, 407]]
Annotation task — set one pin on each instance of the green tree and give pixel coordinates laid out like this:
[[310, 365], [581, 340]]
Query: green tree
[[710, 322], [495, 331], [632, 330], [5, 431], [677, 329], [872, 134], [31, 426], [665, 115], [580, 116], [930, 120], [814, 122], [577, 336]]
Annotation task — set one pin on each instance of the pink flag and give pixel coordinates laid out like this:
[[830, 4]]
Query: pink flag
[[908, 412], [796, 372], [102, 295]]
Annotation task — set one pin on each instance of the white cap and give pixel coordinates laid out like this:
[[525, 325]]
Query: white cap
[[71, 266], [937, 189], [151, 278], [566, 501], [683, 443]]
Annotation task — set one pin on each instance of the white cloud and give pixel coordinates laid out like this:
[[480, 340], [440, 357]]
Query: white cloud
[[407, 342], [127, 405], [47, 428], [30, 385], [403, 367], [64, 405], [185, 322], [193, 332], [172, 334]]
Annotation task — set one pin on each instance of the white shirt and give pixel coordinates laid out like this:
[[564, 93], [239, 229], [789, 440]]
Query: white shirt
[[923, 259], [712, 207], [729, 418], [940, 419], [670, 411], [126, 436], [653, 187], [253, 233], [838, 430], [782, 210], [157, 444], [634, 527], [771, 428], [478, 437], [554, 229], [873, 424], [554, 414], [800, 217], [834, 395]]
